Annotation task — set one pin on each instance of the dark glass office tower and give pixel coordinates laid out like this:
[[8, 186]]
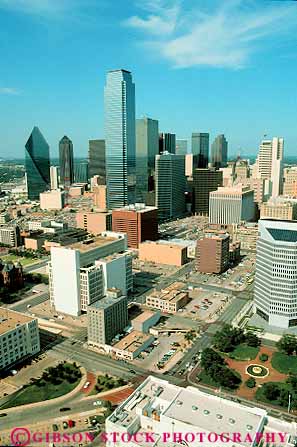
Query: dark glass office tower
[[97, 159], [37, 164], [167, 143], [66, 161], [200, 149], [81, 172], [219, 152]]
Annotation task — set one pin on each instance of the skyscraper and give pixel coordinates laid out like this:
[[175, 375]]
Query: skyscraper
[[54, 177], [66, 161], [97, 159], [181, 147], [81, 172], [170, 185], [200, 149], [205, 181], [37, 164], [147, 147], [219, 152], [270, 165], [167, 143], [119, 105]]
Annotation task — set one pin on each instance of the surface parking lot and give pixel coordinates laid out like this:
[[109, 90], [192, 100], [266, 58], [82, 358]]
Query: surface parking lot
[[205, 305]]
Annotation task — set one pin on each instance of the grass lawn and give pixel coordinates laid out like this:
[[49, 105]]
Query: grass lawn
[[204, 378], [47, 387], [24, 261], [244, 352], [284, 363]]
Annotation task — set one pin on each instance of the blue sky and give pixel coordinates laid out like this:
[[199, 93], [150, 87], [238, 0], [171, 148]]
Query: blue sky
[[223, 66]]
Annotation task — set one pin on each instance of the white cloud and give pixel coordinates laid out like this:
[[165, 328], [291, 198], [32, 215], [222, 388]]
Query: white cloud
[[9, 91], [224, 36]]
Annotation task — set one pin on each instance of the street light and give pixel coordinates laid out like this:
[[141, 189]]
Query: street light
[[289, 403]]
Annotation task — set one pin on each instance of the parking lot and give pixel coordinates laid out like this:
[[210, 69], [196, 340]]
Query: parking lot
[[205, 305], [236, 278]]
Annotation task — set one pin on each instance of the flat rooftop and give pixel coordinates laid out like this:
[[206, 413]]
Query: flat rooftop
[[106, 302], [91, 244], [137, 207], [132, 341], [144, 316], [168, 244], [9, 319]]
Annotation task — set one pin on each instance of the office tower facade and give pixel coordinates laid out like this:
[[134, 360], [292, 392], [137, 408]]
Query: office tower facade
[[107, 318], [119, 105], [147, 147], [279, 208], [212, 253], [290, 182], [275, 296], [170, 185], [37, 164], [54, 176], [66, 162], [205, 181], [19, 337], [269, 166], [200, 149], [219, 152], [85, 279], [229, 206], [81, 172], [10, 235], [181, 147], [97, 160], [138, 221], [167, 143]]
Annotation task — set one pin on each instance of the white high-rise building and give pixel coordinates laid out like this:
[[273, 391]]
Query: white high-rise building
[[79, 274], [120, 154], [54, 177], [269, 166], [231, 205], [275, 297]]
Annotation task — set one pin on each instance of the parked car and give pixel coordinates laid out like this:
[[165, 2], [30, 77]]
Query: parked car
[[86, 385]]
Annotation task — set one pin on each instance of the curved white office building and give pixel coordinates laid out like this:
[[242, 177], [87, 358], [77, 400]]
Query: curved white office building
[[275, 297]]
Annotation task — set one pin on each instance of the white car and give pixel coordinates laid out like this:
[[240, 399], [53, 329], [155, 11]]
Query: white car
[[86, 385]]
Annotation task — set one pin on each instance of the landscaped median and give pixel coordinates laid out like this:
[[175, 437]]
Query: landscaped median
[[55, 383]]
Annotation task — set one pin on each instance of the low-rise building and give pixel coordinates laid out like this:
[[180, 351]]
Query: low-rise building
[[11, 275], [19, 337], [4, 218], [94, 222], [146, 320], [171, 415], [52, 200], [107, 317], [132, 345], [169, 300], [163, 252]]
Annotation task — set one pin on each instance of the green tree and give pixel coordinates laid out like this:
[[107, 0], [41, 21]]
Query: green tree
[[228, 338], [252, 339], [210, 357], [250, 382], [271, 391], [287, 344]]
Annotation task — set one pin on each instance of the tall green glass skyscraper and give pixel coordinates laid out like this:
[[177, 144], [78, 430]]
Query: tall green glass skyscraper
[[119, 110], [37, 164]]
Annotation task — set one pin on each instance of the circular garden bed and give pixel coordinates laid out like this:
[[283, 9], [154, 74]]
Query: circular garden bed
[[257, 371]]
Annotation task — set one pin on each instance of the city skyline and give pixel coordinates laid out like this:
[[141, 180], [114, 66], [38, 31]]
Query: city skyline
[[235, 81]]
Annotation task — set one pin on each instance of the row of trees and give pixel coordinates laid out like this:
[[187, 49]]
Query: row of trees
[[25, 253], [230, 337], [56, 375], [282, 394], [107, 382], [216, 368]]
